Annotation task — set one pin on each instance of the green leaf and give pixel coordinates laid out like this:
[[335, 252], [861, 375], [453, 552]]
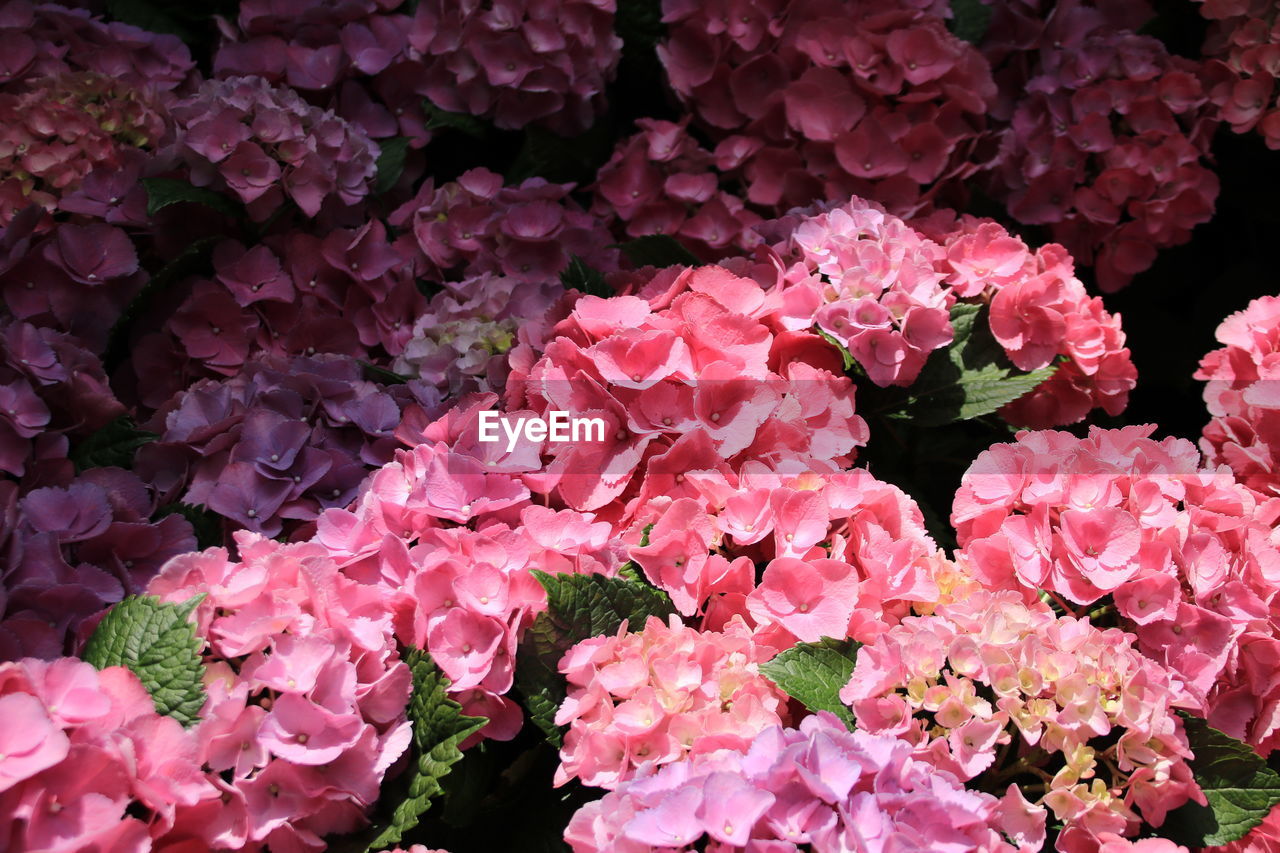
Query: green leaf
[[969, 20], [578, 607], [159, 643], [969, 378], [586, 279], [206, 523], [438, 727], [657, 250], [162, 192], [390, 163], [156, 17], [562, 159], [844, 353], [373, 373], [111, 446], [464, 123], [815, 673], [1240, 787]]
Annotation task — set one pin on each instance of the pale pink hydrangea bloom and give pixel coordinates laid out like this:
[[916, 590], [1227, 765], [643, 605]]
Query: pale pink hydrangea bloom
[[1183, 553], [991, 677], [817, 787], [659, 694]]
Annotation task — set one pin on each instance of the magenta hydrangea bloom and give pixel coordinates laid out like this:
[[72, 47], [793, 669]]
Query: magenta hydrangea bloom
[[817, 99], [1243, 47], [519, 61], [264, 143], [1106, 143], [817, 787], [60, 129], [48, 40], [660, 181], [528, 232]]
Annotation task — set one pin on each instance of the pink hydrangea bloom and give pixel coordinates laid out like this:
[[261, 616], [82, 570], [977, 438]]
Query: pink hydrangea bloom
[[685, 376], [1181, 551], [449, 545], [306, 693], [868, 280], [659, 694], [817, 786], [991, 677], [57, 131], [1245, 431], [87, 762]]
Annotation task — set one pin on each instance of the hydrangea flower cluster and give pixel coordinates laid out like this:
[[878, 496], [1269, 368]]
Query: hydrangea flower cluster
[[60, 129], [465, 595], [72, 550], [72, 278], [816, 99], [1244, 432], [351, 293], [476, 225], [523, 61], [50, 385], [1107, 146], [1118, 520], [659, 694], [991, 674], [817, 787], [50, 40], [685, 377], [1244, 50], [460, 343], [1041, 314], [264, 143], [278, 443], [660, 181], [883, 288], [799, 552], [870, 281], [86, 763], [306, 694]]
